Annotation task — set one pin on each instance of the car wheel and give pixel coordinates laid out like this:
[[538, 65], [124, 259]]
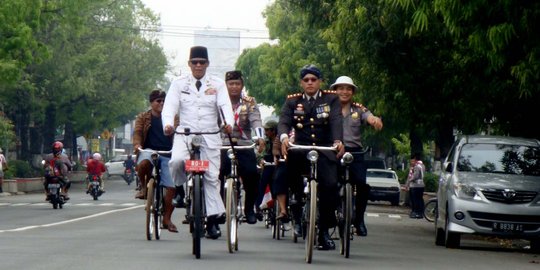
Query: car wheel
[[535, 245], [395, 200], [439, 235], [451, 240]]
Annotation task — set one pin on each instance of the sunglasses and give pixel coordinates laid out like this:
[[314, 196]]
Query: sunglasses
[[200, 62], [159, 100], [311, 79]]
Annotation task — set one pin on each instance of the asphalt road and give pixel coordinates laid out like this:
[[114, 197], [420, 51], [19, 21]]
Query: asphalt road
[[110, 234]]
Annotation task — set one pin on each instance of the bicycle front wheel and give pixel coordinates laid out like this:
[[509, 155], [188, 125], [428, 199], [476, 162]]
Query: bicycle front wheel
[[345, 234], [231, 215], [197, 215], [149, 209], [158, 210], [310, 237], [430, 210]]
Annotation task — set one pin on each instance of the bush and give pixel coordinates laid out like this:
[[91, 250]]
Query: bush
[[19, 168]]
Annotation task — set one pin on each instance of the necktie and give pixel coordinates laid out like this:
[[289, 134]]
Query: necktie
[[311, 101], [198, 84]]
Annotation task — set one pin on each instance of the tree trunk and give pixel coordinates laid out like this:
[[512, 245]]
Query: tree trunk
[[416, 143]]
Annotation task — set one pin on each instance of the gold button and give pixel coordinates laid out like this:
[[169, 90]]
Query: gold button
[[311, 119], [312, 135]]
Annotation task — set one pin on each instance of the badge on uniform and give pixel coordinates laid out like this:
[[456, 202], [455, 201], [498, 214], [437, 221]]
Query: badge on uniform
[[243, 108], [354, 115], [210, 91], [322, 111]]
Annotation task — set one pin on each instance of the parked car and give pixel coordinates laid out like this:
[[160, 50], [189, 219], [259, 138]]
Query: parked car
[[384, 185], [490, 185], [375, 163], [115, 166]]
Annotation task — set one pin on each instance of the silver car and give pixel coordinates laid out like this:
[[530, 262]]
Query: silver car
[[491, 186]]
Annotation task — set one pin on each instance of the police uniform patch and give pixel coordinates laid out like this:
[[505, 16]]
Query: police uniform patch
[[360, 106]]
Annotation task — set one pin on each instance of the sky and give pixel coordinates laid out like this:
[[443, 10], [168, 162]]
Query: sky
[[179, 18]]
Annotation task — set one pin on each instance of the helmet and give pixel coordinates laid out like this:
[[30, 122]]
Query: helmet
[[57, 147], [96, 156], [344, 80]]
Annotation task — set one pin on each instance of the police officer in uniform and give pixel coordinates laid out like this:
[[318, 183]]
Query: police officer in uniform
[[315, 117], [197, 98], [247, 127], [355, 117]]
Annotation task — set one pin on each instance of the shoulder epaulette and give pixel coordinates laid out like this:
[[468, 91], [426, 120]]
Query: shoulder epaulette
[[360, 106], [248, 99], [294, 95], [329, 91]]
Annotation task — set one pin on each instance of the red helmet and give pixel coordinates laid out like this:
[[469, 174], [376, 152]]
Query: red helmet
[[57, 147]]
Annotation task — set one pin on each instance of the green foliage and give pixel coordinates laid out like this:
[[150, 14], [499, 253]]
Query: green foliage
[[20, 168], [89, 67], [7, 133]]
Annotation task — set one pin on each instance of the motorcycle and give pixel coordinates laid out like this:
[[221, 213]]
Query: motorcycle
[[94, 187], [129, 176], [54, 186]]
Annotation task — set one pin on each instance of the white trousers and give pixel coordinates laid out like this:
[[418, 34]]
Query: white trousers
[[180, 153]]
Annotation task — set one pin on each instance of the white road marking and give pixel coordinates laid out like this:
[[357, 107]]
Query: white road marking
[[394, 216], [70, 220], [372, 215], [106, 204], [20, 204]]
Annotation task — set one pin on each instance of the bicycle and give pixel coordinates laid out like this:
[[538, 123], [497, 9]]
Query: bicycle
[[430, 210], [270, 217], [233, 197], [155, 201], [195, 198], [310, 212]]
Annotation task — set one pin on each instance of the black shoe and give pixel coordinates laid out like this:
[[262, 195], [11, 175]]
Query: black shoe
[[178, 201], [251, 218], [212, 232], [361, 229], [325, 242], [259, 215], [219, 219], [297, 230]]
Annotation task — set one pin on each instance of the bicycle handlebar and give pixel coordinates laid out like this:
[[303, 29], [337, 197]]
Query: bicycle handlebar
[[161, 152], [312, 147], [188, 132], [238, 147]]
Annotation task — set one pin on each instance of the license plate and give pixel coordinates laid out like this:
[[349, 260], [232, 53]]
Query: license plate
[[507, 227], [94, 183], [54, 185], [197, 165]]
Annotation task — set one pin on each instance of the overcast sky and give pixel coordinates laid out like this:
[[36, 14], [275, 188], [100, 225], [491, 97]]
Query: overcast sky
[[179, 18]]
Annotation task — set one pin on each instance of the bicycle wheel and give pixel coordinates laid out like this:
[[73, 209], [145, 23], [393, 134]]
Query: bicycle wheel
[[430, 210], [158, 210], [197, 215], [277, 222], [231, 215], [345, 234], [310, 237], [149, 208]]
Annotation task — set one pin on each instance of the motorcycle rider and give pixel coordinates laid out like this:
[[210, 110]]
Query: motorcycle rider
[[95, 166], [59, 164]]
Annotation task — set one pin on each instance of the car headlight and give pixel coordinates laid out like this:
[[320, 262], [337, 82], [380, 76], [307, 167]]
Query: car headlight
[[464, 191]]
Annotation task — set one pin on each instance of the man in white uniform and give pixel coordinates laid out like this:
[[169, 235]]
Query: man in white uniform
[[197, 98]]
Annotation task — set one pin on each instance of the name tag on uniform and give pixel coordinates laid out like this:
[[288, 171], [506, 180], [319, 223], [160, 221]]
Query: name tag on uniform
[[186, 92]]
